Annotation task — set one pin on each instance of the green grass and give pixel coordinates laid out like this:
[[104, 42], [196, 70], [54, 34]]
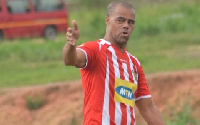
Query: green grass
[[183, 117], [28, 63], [166, 38], [167, 52]]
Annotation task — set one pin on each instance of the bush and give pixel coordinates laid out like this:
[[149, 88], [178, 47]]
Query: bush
[[147, 28], [34, 102]]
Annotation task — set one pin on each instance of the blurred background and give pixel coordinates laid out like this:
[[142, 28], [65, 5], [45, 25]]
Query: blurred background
[[36, 88]]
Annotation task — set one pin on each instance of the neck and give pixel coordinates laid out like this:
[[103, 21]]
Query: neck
[[121, 47]]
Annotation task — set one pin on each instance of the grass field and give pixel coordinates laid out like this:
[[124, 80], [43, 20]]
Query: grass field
[[166, 38]]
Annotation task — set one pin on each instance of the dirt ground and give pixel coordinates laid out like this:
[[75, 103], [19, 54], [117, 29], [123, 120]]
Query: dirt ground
[[63, 102]]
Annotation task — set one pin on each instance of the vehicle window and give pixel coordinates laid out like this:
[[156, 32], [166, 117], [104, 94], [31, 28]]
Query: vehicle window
[[18, 6], [51, 5]]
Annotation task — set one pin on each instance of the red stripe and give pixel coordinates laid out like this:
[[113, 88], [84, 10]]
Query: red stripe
[[121, 69], [124, 114], [132, 117]]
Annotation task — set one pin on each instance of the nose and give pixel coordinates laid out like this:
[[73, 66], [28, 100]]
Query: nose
[[126, 25]]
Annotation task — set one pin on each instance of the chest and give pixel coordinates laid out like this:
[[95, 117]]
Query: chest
[[120, 65]]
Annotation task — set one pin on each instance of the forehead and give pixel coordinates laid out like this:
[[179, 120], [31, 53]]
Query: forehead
[[121, 11]]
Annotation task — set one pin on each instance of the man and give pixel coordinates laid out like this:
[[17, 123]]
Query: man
[[113, 80]]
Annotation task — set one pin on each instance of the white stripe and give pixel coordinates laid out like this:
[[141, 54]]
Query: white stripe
[[126, 75], [134, 116], [102, 42], [128, 115], [143, 97], [105, 115], [132, 70], [105, 42], [85, 57], [115, 63], [118, 112]]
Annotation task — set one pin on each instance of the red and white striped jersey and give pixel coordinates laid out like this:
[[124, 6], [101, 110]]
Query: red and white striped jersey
[[112, 81]]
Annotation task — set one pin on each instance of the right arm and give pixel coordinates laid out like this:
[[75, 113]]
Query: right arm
[[71, 55]]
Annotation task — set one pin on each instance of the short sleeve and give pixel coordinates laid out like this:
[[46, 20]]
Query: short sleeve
[[142, 88], [90, 49]]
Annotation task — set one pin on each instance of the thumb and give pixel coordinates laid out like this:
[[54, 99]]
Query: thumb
[[75, 26]]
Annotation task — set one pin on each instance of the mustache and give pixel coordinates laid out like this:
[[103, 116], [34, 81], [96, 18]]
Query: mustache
[[125, 31]]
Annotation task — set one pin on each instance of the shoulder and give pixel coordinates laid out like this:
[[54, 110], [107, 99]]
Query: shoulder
[[134, 59], [96, 45], [89, 44]]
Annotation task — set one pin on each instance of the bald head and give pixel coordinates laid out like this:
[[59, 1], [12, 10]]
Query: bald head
[[111, 7]]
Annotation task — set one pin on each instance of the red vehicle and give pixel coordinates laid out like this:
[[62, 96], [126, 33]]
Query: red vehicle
[[27, 18]]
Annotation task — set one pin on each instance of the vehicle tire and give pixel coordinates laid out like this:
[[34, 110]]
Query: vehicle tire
[[50, 33], [1, 36]]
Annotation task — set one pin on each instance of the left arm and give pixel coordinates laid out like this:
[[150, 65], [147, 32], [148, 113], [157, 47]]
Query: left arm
[[149, 111]]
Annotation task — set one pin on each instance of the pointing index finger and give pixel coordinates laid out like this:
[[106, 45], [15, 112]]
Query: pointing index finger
[[75, 26]]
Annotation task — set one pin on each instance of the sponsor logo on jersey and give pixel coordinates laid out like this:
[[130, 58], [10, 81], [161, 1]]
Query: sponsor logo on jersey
[[123, 61], [124, 92]]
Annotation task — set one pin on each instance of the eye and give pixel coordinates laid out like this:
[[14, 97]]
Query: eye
[[131, 22], [120, 20]]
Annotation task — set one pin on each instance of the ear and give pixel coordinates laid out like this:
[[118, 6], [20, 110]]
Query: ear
[[107, 20]]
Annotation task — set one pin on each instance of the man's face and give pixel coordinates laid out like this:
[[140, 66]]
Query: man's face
[[120, 24]]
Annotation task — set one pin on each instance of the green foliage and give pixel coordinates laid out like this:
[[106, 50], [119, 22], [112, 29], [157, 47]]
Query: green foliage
[[98, 25], [95, 3], [34, 102], [184, 117], [156, 19], [93, 27]]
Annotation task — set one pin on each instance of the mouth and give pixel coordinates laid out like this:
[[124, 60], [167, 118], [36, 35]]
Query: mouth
[[126, 34]]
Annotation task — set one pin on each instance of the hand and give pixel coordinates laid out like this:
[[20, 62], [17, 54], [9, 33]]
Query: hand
[[73, 34]]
